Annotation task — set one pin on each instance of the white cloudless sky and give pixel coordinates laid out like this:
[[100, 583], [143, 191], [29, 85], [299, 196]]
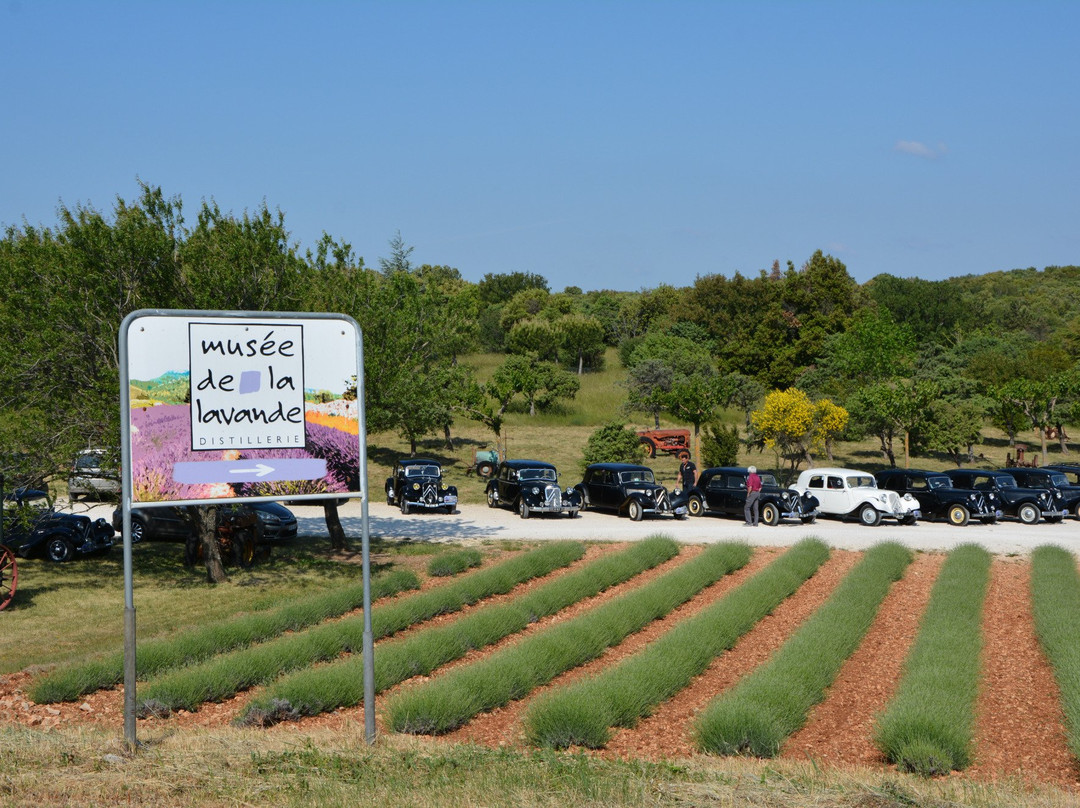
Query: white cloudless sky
[[600, 144]]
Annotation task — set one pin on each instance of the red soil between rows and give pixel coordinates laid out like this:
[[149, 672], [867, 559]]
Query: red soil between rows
[[1019, 734]]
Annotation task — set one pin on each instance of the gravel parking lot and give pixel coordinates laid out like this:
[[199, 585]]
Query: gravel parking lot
[[481, 523]]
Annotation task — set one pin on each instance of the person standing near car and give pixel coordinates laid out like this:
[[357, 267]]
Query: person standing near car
[[753, 494], [687, 474]]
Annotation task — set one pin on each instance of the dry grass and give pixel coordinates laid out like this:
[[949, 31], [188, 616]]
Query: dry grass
[[230, 767]]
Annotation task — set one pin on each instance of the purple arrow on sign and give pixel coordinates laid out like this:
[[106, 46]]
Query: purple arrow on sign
[[249, 471]]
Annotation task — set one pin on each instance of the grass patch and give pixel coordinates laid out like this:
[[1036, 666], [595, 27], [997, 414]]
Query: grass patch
[[448, 702], [340, 684], [227, 674], [927, 727], [454, 562], [583, 713], [154, 656], [1055, 602], [759, 713]]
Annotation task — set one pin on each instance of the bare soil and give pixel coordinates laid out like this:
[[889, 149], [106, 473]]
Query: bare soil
[[1020, 735]]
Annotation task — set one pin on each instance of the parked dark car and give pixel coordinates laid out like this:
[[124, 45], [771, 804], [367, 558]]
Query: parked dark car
[[628, 489], [939, 498], [723, 491], [1025, 504], [529, 487], [34, 528], [1050, 479], [417, 484], [170, 523]]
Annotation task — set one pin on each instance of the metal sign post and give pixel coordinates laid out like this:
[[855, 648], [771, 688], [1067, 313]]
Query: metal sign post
[[223, 415]]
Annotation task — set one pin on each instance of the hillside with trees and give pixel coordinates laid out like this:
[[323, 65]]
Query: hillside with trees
[[919, 366]]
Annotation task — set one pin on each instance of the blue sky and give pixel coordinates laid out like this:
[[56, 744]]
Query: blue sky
[[609, 145]]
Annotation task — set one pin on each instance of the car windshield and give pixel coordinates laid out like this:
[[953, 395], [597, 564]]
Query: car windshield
[[1058, 479], [768, 479], [636, 476], [537, 474], [938, 481], [88, 461], [861, 481], [421, 471], [1006, 481]]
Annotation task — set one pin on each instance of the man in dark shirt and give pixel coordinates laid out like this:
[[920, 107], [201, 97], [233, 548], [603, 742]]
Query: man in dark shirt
[[687, 474]]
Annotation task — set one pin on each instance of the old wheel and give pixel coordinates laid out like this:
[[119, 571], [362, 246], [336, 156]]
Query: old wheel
[[695, 506], [389, 495], [770, 514], [523, 508], [404, 506], [635, 511], [958, 515], [484, 469], [59, 550], [807, 520], [650, 447], [869, 515], [1028, 514], [9, 575], [491, 498]]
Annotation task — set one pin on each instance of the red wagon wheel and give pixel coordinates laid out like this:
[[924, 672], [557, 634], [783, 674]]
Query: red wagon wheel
[[9, 574]]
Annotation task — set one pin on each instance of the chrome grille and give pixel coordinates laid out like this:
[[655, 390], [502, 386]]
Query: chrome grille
[[552, 496]]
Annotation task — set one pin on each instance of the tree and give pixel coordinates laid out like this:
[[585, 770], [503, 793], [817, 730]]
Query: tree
[[648, 384], [888, 409], [742, 392], [540, 383], [694, 398], [614, 442], [399, 256], [1038, 400], [720, 445], [792, 424], [581, 340], [953, 428]]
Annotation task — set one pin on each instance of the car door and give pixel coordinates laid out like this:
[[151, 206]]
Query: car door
[[734, 494], [831, 493]]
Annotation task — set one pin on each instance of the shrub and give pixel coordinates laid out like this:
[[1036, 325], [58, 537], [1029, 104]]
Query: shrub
[[772, 702], [454, 562], [1055, 602], [582, 713], [928, 725], [444, 704], [613, 443], [720, 445]]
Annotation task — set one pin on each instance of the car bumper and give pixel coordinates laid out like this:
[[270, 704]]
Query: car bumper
[[1054, 514]]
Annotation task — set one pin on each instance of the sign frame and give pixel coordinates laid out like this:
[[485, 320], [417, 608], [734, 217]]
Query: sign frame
[[227, 319]]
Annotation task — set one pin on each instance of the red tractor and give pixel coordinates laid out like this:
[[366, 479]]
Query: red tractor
[[670, 441]]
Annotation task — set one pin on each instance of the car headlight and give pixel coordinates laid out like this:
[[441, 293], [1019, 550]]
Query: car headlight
[[416, 486], [535, 490], [265, 517], [972, 497]]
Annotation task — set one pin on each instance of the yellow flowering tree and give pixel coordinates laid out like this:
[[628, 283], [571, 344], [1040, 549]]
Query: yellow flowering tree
[[794, 426]]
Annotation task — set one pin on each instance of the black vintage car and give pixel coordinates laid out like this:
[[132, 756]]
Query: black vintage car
[[417, 484], [531, 486], [628, 489], [1050, 479], [1025, 504], [35, 529], [939, 498], [723, 491]]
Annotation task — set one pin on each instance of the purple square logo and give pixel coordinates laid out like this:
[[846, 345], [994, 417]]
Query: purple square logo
[[250, 381]]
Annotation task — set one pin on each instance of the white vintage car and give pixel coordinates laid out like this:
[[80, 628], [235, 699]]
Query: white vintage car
[[848, 493]]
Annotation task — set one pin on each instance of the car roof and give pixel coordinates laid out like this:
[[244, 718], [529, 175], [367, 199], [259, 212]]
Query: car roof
[[618, 467], [418, 461], [909, 471], [527, 464], [834, 470], [991, 472]]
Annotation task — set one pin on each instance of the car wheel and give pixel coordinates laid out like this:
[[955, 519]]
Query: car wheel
[[1028, 514], [244, 545], [770, 514], [958, 515], [484, 469], [635, 511], [493, 501], [523, 508], [695, 506], [650, 447], [389, 495], [808, 520], [138, 531], [1076, 512], [404, 506], [869, 515], [59, 550]]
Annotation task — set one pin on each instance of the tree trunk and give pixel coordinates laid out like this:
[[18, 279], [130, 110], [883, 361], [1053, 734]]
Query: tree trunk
[[338, 540], [449, 440], [412, 447], [1063, 439], [580, 363], [205, 523]]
